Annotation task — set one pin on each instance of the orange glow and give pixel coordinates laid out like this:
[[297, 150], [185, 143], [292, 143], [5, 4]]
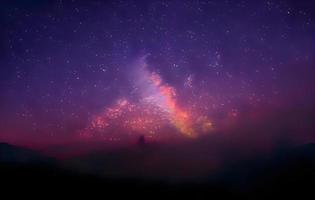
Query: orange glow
[[181, 119]]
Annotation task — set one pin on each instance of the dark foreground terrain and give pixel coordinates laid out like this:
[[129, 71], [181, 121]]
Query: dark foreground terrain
[[289, 172]]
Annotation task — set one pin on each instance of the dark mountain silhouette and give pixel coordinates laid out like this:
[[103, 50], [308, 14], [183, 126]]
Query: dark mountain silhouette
[[152, 161], [289, 171], [286, 171], [19, 155]]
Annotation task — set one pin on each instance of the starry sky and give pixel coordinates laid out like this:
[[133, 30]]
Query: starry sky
[[111, 70]]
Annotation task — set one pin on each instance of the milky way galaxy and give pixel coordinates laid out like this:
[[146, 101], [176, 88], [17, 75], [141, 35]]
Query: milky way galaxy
[[156, 109]]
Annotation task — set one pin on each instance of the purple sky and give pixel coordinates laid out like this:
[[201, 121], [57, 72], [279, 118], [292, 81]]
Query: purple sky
[[65, 63]]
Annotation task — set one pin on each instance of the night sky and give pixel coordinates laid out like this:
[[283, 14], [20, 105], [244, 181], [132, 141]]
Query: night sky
[[109, 71]]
